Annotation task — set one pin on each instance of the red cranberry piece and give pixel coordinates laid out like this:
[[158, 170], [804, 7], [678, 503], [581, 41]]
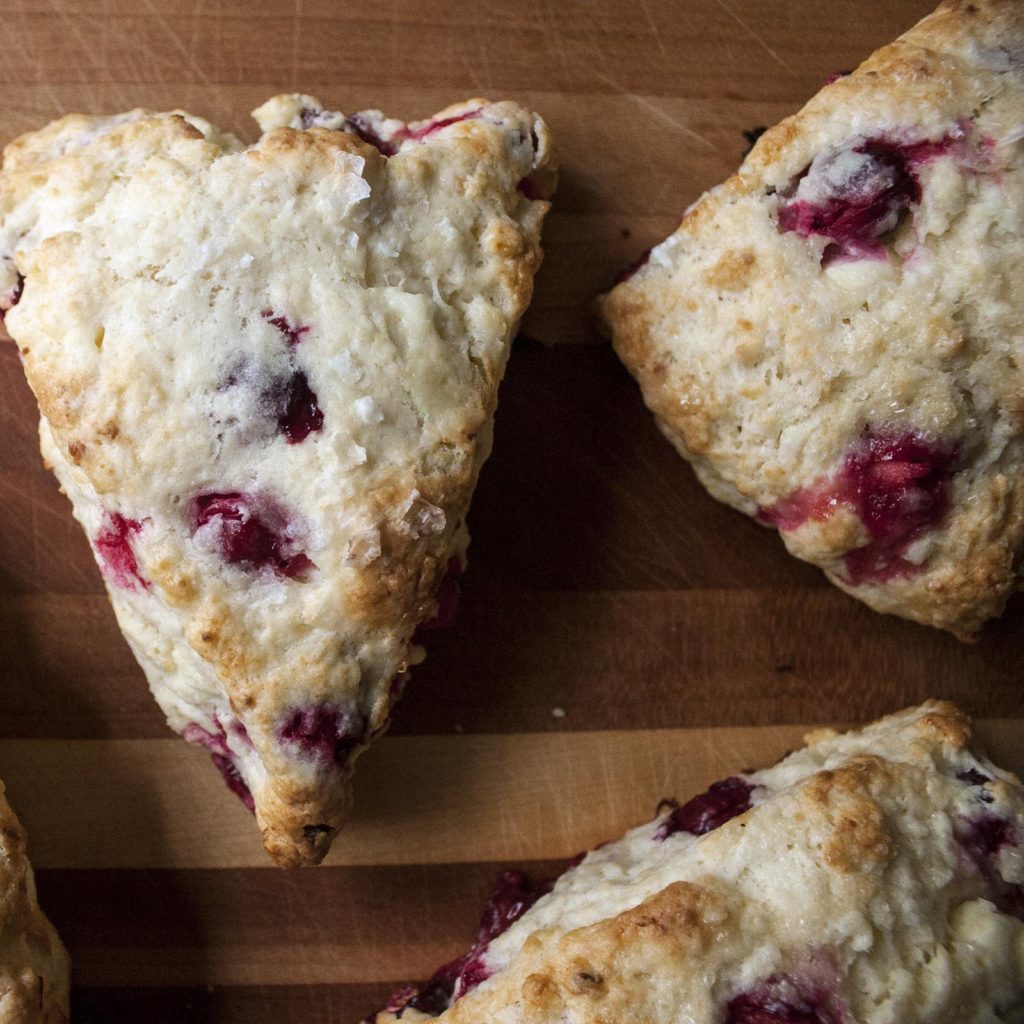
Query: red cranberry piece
[[900, 489], [358, 125], [434, 126], [513, 895], [222, 757], [722, 802], [867, 204], [324, 732], [780, 1001], [292, 334], [233, 780], [294, 403], [836, 75], [250, 532], [113, 544], [899, 486], [982, 838]]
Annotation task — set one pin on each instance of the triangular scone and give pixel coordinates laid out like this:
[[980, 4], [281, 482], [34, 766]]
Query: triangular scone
[[870, 878], [33, 963], [267, 378], [835, 336]]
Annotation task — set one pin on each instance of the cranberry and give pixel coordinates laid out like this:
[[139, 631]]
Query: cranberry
[[292, 334], [249, 532], [113, 544], [836, 75], [779, 1000], [899, 486], [358, 125], [294, 404], [233, 780], [513, 895], [722, 802], [222, 757], [881, 182], [430, 127], [325, 732]]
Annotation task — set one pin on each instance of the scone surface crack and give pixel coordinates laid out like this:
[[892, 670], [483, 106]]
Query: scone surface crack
[[834, 337], [267, 377]]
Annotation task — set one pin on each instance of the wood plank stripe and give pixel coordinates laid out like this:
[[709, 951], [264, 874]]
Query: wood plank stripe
[[629, 660], [263, 926], [419, 799], [262, 1004]]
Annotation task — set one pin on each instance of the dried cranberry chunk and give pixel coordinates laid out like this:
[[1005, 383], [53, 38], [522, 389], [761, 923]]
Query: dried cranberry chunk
[[779, 1000], [898, 484], [860, 194], [514, 894], [250, 532], [113, 545], [294, 403], [722, 802], [325, 732], [222, 757]]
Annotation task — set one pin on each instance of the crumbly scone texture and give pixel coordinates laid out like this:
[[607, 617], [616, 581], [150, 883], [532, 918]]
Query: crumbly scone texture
[[834, 337], [875, 878], [33, 963], [267, 377]]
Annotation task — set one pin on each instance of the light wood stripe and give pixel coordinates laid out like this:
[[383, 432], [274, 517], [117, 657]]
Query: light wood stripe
[[419, 799]]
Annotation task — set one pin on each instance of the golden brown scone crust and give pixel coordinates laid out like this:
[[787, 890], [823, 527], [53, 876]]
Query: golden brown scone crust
[[772, 356], [33, 963], [875, 878], [293, 348]]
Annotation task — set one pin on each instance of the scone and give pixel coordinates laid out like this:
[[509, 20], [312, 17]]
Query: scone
[[267, 377], [870, 878], [835, 336], [33, 964]]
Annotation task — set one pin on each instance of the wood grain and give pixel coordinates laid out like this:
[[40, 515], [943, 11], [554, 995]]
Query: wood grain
[[678, 638]]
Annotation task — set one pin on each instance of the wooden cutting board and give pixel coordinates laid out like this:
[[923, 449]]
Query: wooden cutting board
[[622, 637]]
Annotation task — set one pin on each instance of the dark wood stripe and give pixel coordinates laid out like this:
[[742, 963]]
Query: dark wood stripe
[[250, 1004], [266, 926], [646, 660], [612, 50]]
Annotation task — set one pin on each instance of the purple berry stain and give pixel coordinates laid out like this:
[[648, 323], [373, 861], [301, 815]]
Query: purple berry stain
[[722, 802], [249, 532], [779, 1000], [855, 196], [222, 758], [114, 546], [323, 732], [358, 125], [292, 334], [898, 484], [512, 896]]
